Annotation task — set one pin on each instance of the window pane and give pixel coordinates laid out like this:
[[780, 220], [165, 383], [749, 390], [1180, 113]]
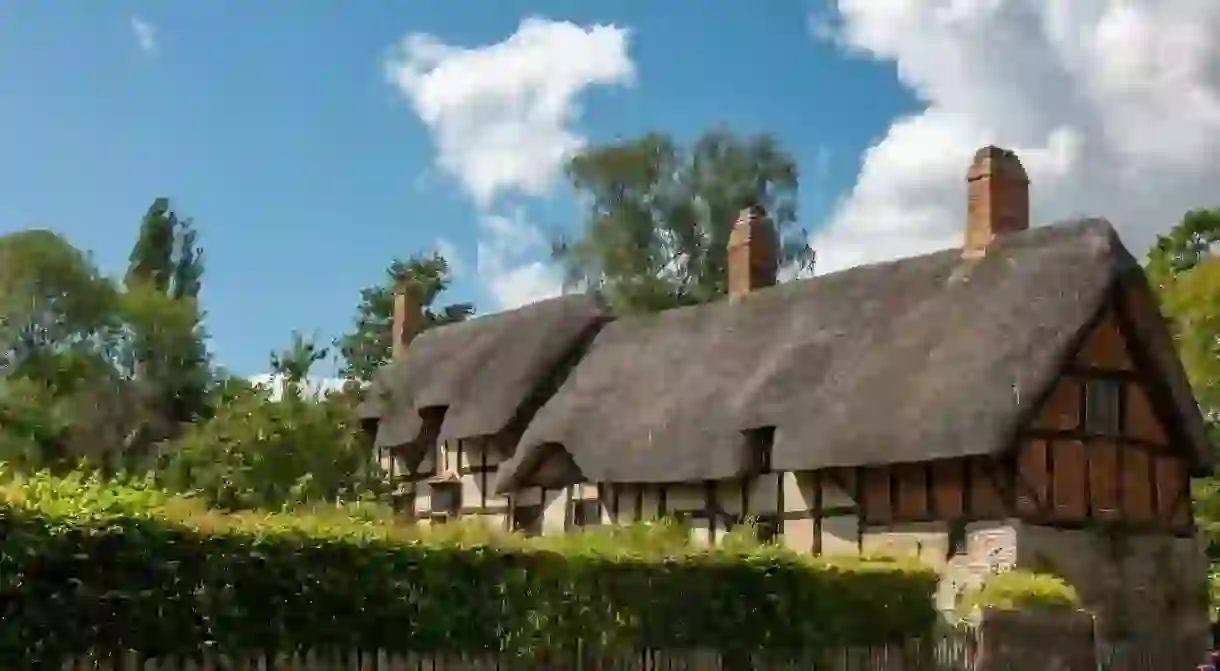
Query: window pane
[[586, 513], [767, 528], [446, 498], [1101, 407], [526, 519]]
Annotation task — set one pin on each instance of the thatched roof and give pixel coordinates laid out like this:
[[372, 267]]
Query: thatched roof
[[483, 371], [923, 358]]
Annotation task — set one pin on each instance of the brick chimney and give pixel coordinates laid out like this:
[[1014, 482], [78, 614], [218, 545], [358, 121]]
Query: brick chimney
[[997, 198], [753, 253], [408, 321]]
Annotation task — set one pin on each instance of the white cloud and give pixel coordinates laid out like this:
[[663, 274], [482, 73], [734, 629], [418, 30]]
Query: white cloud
[[501, 114], [1113, 106], [146, 34], [505, 245], [502, 118]]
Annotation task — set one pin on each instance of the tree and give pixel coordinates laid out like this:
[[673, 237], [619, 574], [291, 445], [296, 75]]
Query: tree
[[1188, 243], [168, 343], [53, 304], [366, 348], [659, 217], [1183, 267], [262, 452], [61, 397], [292, 364], [1185, 270]]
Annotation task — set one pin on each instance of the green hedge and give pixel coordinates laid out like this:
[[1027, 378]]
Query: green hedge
[[86, 564], [1020, 590]]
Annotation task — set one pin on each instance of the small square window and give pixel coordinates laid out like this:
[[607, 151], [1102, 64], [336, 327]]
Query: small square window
[[526, 519], [447, 498], [767, 528], [1102, 407], [586, 513]]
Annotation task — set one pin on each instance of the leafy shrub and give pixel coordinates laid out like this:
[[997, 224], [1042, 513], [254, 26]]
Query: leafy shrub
[[87, 563], [1021, 590], [256, 452]]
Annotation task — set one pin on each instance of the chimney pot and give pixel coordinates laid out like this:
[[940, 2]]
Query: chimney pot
[[753, 252], [408, 321], [997, 198]]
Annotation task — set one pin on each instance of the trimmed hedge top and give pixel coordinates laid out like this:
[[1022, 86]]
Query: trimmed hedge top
[[88, 564], [1020, 590]]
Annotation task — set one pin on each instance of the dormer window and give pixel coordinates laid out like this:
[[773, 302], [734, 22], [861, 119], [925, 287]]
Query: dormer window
[[586, 513], [758, 446], [1103, 407], [446, 498]]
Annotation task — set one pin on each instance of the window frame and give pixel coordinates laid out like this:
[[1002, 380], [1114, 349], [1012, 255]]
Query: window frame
[[767, 528], [1097, 390], [530, 523], [579, 513], [453, 489]]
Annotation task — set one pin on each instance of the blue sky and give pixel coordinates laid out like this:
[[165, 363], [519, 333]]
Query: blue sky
[[312, 141]]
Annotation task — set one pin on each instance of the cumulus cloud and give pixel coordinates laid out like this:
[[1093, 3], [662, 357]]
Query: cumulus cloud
[[502, 117], [507, 243], [501, 114], [145, 33], [1113, 106]]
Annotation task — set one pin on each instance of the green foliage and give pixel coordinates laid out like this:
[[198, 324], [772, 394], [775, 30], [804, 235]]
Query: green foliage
[[166, 256], [1191, 299], [1020, 590], [1185, 270], [657, 231], [1188, 243], [62, 395], [89, 369], [1213, 591], [34, 428], [292, 364], [366, 348], [92, 564], [255, 452], [55, 307], [261, 451], [1182, 266], [166, 340]]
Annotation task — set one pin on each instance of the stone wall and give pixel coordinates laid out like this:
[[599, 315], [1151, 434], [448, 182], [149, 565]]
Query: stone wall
[[1033, 641], [1139, 586]]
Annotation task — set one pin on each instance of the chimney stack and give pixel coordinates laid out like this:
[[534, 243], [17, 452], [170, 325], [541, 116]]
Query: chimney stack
[[408, 321], [998, 199], [753, 253]]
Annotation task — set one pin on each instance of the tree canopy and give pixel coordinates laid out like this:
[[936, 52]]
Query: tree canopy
[[366, 347], [1183, 266], [659, 215], [260, 451], [163, 281]]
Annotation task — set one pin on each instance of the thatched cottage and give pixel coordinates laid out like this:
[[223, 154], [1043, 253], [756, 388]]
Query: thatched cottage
[[1014, 402]]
